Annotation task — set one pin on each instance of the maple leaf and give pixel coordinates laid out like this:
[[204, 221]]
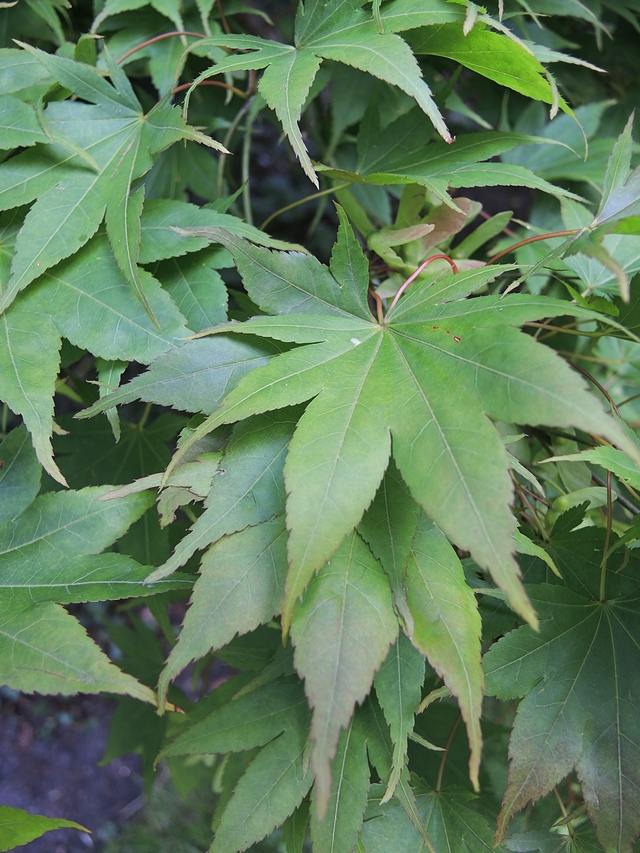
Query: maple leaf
[[274, 717], [618, 214], [425, 378], [448, 822], [18, 827], [84, 171], [50, 555], [397, 154], [342, 32], [580, 683]]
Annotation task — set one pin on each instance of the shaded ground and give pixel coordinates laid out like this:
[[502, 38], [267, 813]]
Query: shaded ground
[[50, 749]]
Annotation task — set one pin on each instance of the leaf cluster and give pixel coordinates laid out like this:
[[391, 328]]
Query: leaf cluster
[[354, 462]]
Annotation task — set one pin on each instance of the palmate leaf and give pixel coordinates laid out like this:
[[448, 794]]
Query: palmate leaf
[[439, 613], [48, 555], [546, 841], [344, 33], [388, 527], [86, 299], [398, 154], [241, 586], [19, 70], [618, 212], [294, 829], [579, 677], [448, 821], [29, 346], [193, 377], [163, 220], [276, 718], [621, 190], [19, 124], [196, 287], [19, 476], [249, 491], [111, 145], [425, 377]]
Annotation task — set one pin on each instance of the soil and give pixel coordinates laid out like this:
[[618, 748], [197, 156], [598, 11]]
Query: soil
[[50, 751]]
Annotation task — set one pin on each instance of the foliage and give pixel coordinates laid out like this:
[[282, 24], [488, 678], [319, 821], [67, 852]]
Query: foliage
[[18, 827], [337, 452]]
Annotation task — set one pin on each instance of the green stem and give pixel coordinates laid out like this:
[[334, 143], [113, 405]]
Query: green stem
[[145, 417], [628, 400], [233, 89], [227, 142], [603, 565], [303, 201], [246, 177], [190, 514]]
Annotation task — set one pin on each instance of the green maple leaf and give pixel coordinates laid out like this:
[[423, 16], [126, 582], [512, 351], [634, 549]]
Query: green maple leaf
[[397, 154], [504, 60], [438, 611], [274, 717], [341, 632], [88, 300], [241, 582], [18, 827], [621, 189], [579, 680], [448, 822], [97, 149], [425, 378], [618, 212], [338, 830], [344, 33], [50, 555]]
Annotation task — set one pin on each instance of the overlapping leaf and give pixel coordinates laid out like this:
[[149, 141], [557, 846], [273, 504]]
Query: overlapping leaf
[[399, 690], [439, 613], [344, 33], [48, 555], [109, 145], [159, 238], [346, 613], [193, 377], [338, 830], [449, 822], [86, 299], [581, 688], [398, 154], [500, 58], [426, 376], [618, 212], [447, 626], [250, 490], [276, 718]]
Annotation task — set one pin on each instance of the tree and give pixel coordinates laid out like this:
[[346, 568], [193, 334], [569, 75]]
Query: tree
[[369, 465]]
